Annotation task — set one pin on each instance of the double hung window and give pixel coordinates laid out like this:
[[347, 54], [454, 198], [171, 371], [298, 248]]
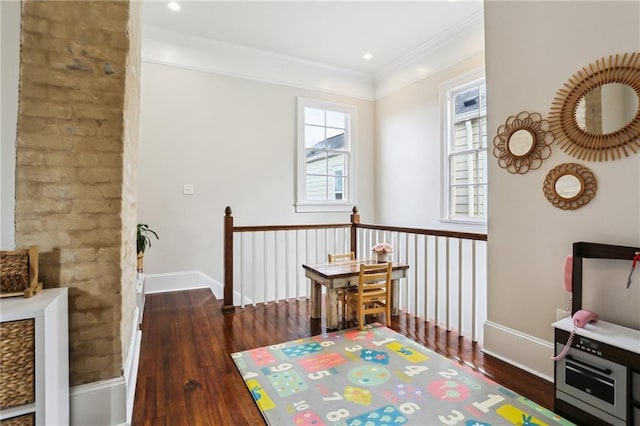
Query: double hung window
[[465, 162], [326, 142]]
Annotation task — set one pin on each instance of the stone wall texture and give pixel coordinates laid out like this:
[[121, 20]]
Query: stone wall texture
[[75, 185], [129, 168]]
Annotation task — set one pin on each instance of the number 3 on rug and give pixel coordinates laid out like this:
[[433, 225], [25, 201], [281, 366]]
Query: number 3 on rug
[[454, 418]]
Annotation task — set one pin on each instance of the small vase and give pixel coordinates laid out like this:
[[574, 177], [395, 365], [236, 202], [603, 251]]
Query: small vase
[[383, 257]]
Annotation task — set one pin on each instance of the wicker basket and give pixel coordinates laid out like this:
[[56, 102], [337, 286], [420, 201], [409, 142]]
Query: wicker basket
[[14, 271], [26, 420], [19, 272], [17, 363]]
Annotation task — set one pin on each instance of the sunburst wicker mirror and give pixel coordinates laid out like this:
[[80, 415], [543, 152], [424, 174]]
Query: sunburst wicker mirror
[[596, 115], [522, 143]]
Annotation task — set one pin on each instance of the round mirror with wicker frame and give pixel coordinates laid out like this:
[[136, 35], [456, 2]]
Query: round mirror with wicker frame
[[579, 140], [570, 186], [522, 143]]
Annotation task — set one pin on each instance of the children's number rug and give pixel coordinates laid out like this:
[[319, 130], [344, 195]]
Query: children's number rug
[[376, 377]]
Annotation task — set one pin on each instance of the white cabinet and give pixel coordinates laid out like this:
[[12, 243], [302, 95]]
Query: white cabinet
[[48, 310]]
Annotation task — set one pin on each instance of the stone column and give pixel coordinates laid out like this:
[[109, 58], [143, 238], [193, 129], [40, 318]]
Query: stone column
[[75, 168]]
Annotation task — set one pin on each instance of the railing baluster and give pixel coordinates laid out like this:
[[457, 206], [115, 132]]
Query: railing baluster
[[345, 237], [415, 274], [473, 292], [460, 304], [306, 259], [298, 271], [265, 283], [326, 245], [317, 246], [286, 266], [436, 288], [275, 265], [447, 288], [426, 278], [253, 268], [406, 255], [241, 269]]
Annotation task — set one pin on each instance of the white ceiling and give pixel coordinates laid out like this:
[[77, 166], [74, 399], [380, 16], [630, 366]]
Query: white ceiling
[[334, 33]]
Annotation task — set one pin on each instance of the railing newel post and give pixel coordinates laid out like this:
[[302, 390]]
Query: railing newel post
[[355, 220], [228, 261]]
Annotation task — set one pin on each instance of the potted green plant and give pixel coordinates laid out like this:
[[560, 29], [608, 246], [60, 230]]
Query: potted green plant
[[144, 241]]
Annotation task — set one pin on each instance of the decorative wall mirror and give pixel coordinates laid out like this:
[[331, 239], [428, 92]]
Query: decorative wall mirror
[[570, 186], [522, 143], [596, 116]]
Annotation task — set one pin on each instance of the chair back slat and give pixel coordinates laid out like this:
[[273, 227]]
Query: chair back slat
[[341, 256]]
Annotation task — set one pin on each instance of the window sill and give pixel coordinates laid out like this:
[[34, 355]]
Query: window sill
[[322, 208]]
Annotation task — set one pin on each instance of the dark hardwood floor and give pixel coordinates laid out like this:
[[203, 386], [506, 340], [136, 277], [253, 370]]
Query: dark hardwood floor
[[186, 376]]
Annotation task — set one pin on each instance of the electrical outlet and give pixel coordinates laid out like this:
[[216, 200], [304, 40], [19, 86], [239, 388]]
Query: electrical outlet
[[560, 314], [187, 189]]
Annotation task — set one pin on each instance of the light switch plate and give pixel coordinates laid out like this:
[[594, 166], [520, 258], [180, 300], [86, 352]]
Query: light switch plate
[[187, 189]]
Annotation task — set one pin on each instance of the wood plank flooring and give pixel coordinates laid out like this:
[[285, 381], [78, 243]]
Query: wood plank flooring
[[186, 376]]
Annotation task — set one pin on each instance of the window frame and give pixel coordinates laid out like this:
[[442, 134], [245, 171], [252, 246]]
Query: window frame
[[476, 224], [303, 205]]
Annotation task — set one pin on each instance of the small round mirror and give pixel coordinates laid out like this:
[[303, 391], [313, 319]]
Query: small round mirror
[[607, 108], [568, 186], [520, 143]]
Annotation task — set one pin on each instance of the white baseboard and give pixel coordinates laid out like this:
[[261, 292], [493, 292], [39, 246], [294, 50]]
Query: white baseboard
[[109, 402], [99, 403], [131, 366], [519, 349], [188, 280], [178, 281]]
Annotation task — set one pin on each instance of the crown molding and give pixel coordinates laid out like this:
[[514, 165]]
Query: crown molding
[[457, 43], [202, 54], [449, 47]]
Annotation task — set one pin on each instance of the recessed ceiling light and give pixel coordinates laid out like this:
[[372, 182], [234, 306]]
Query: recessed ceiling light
[[367, 56], [174, 6]]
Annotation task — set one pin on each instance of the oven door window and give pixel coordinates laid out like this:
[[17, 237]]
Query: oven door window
[[594, 384]]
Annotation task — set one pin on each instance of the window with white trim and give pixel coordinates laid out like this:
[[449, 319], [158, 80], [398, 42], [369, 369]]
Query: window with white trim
[[325, 149], [465, 152]]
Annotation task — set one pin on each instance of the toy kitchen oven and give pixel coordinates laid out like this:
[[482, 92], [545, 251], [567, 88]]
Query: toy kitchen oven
[[598, 381]]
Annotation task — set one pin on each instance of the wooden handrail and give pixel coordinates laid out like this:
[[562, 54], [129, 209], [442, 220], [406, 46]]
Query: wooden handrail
[[420, 231], [259, 228]]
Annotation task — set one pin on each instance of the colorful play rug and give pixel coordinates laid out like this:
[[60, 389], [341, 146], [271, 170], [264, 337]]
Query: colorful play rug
[[376, 377]]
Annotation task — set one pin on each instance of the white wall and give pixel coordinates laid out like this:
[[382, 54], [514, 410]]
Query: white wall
[[10, 60], [234, 140], [408, 154], [532, 49]]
